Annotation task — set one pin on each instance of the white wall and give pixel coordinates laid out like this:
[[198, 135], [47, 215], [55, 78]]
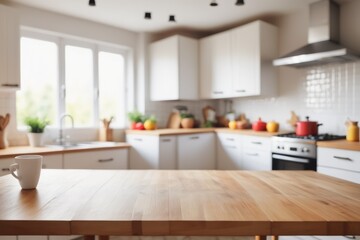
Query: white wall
[[328, 94]]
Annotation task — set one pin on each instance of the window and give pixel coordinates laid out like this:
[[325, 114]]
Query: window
[[84, 79]]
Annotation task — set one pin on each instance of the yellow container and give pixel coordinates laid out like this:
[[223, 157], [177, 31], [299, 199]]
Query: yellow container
[[352, 133]]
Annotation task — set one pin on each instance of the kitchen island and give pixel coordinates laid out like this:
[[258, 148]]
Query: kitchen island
[[185, 203]]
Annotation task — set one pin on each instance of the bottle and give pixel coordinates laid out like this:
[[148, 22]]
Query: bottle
[[352, 133]]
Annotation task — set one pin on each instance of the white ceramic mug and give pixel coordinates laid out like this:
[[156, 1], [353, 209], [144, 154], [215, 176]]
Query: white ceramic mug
[[28, 168]]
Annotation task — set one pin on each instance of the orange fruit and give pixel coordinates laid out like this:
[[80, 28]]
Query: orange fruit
[[232, 124]]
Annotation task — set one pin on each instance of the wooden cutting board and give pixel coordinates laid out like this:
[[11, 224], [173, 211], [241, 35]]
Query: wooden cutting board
[[174, 120]]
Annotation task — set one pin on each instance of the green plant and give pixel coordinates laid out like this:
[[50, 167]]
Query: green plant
[[186, 115], [135, 116], [37, 125]]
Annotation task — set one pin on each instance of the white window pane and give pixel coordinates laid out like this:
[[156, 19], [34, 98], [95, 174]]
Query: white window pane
[[39, 76], [111, 88], [79, 85]]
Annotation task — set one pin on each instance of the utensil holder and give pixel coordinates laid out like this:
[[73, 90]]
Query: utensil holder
[[2, 139]]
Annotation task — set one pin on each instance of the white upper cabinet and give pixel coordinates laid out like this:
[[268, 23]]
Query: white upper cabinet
[[174, 69], [9, 49], [238, 62]]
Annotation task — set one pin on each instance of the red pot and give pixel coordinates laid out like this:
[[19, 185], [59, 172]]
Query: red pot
[[259, 125], [305, 128]]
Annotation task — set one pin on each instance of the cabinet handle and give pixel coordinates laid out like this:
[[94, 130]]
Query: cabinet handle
[[218, 92], [194, 137], [138, 139], [343, 158], [232, 147], [252, 154], [241, 91], [106, 160], [9, 85], [5, 169], [258, 143], [350, 237], [230, 139], [166, 140]]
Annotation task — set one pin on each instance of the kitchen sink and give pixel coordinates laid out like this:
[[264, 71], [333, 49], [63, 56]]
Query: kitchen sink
[[71, 145]]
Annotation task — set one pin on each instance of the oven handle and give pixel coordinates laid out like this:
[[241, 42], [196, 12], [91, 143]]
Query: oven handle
[[290, 159]]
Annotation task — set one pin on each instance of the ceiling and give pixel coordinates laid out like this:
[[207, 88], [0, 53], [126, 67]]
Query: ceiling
[[194, 15]]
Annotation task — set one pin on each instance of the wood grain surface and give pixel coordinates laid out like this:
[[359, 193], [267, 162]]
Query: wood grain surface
[[340, 144], [195, 203]]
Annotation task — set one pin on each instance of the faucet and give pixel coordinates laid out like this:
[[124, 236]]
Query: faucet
[[61, 133]]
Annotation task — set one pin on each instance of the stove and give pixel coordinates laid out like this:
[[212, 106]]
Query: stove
[[292, 152]]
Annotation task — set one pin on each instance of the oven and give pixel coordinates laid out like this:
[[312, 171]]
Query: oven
[[289, 162]]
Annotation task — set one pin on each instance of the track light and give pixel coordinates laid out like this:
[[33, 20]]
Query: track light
[[92, 3], [147, 15], [172, 18], [239, 2], [213, 3]]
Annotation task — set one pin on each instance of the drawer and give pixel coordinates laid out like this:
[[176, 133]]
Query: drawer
[[260, 143], [340, 173], [337, 158], [253, 159]]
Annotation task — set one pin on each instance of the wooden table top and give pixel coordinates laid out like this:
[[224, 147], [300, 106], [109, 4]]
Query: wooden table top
[[170, 202], [340, 144]]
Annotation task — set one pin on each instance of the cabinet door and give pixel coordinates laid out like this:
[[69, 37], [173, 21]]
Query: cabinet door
[[253, 159], [228, 151], [4, 165], [101, 159], [196, 151], [164, 70], [338, 158], [245, 57], [215, 66], [144, 151], [340, 173], [54, 161], [167, 152]]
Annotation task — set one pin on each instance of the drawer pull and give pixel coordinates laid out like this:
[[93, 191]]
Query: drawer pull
[[194, 137], [343, 158], [9, 85], [106, 160], [258, 143], [252, 154], [230, 139], [166, 140], [138, 139], [218, 92], [232, 147], [241, 90], [5, 169]]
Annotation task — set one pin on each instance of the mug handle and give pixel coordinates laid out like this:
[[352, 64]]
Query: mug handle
[[13, 168]]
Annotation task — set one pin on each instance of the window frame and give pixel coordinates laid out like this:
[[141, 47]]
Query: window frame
[[95, 46]]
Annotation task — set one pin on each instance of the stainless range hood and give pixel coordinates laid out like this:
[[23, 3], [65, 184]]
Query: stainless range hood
[[323, 38]]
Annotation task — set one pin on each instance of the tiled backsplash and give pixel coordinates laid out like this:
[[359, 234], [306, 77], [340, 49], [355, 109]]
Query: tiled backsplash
[[328, 94]]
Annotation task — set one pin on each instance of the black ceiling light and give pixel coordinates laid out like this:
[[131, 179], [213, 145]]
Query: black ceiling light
[[92, 3], [147, 15], [172, 18], [213, 3], [239, 2]]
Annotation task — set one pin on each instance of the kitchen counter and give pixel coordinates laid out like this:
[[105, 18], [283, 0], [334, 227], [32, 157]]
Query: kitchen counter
[[340, 144], [14, 151], [182, 131]]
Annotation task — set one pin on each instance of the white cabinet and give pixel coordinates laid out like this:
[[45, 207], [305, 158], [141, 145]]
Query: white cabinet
[[344, 164], [174, 69], [9, 48], [98, 159], [167, 152], [196, 151], [229, 151], [53, 161], [143, 152], [4, 165], [256, 154], [238, 62]]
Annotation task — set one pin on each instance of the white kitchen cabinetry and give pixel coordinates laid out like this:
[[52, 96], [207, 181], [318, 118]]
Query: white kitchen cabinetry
[[256, 153], [53, 161], [238, 62], [99, 159], [4, 165], [9, 48], [344, 164], [174, 69], [196, 151], [152, 152], [229, 151]]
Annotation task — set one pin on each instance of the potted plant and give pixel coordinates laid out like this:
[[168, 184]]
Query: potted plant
[[187, 120], [36, 130]]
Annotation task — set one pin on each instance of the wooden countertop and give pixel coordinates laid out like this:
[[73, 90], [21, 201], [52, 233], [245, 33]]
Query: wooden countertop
[[181, 131], [180, 203], [14, 151], [340, 144]]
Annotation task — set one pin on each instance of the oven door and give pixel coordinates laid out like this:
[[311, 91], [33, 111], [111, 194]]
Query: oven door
[[287, 162]]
